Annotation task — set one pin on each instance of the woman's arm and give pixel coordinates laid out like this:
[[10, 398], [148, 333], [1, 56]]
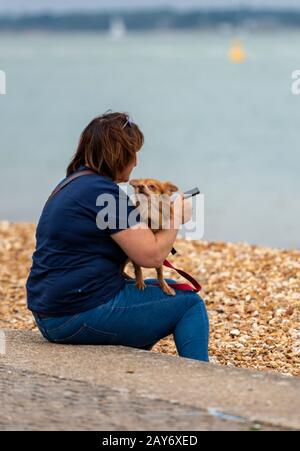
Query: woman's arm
[[144, 247], [148, 249]]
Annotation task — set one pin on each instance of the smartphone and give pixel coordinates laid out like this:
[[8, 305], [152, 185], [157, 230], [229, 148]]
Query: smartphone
[[191, 192]]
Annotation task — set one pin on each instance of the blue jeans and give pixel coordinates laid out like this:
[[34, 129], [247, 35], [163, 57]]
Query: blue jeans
[[137, 318]]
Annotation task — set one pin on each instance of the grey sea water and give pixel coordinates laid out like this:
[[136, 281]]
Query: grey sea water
[[233, 130]]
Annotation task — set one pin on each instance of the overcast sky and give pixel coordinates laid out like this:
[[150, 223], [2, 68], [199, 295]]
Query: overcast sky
[[59, 5]]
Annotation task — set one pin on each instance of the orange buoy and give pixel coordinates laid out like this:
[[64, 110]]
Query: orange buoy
[[236, 53]]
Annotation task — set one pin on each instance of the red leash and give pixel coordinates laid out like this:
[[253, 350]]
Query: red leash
[[182, 286]]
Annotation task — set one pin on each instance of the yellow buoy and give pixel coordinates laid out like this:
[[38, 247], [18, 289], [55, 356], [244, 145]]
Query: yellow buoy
[[236, 53]]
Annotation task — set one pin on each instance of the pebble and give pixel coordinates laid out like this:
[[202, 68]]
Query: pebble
[[235, 332]]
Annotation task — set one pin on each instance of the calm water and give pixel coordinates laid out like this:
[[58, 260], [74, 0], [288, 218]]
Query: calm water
[[233, 130]]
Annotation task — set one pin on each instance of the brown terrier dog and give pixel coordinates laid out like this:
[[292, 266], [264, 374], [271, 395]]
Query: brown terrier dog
[[156, 210]]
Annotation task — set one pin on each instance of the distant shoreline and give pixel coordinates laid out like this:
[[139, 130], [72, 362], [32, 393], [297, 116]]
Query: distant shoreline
[[154, 20]]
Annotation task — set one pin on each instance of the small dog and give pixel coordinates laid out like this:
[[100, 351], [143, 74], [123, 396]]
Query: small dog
[[155, 212]]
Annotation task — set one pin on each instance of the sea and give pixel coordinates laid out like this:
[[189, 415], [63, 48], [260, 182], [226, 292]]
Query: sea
[[232, 129]]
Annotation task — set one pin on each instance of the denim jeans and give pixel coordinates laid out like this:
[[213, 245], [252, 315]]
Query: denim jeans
[[137, 318]]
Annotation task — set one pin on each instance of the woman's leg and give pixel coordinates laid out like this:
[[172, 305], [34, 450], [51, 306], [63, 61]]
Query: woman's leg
[[140, 318], [191, 334], [146, 316]]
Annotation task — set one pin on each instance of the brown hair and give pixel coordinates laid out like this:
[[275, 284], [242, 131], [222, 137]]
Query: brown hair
[[108, 144]]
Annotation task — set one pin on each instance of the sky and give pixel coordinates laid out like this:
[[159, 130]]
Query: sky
[[19, 6]]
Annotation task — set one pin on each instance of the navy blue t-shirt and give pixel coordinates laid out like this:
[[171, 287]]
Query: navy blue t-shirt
[[77, 265]]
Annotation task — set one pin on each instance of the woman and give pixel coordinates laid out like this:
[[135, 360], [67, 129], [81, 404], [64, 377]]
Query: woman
[[76, 289]]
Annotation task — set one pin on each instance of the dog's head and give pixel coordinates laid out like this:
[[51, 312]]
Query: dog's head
[[152, 186]]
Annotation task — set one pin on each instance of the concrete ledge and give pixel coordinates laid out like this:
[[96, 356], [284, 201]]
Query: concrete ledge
[[50, 386]]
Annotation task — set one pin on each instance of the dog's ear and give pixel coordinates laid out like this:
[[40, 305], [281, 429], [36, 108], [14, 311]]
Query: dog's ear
[[134, 182], [170, 188]]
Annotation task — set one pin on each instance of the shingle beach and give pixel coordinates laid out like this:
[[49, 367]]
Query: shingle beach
[[252, 294]]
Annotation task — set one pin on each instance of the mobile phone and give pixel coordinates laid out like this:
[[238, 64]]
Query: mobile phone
[[191, 192]]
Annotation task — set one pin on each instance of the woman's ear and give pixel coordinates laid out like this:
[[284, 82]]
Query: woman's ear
[[170, 188]]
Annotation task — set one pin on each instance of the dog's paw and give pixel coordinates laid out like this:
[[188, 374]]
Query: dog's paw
[[140, 285], [168, 290]]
